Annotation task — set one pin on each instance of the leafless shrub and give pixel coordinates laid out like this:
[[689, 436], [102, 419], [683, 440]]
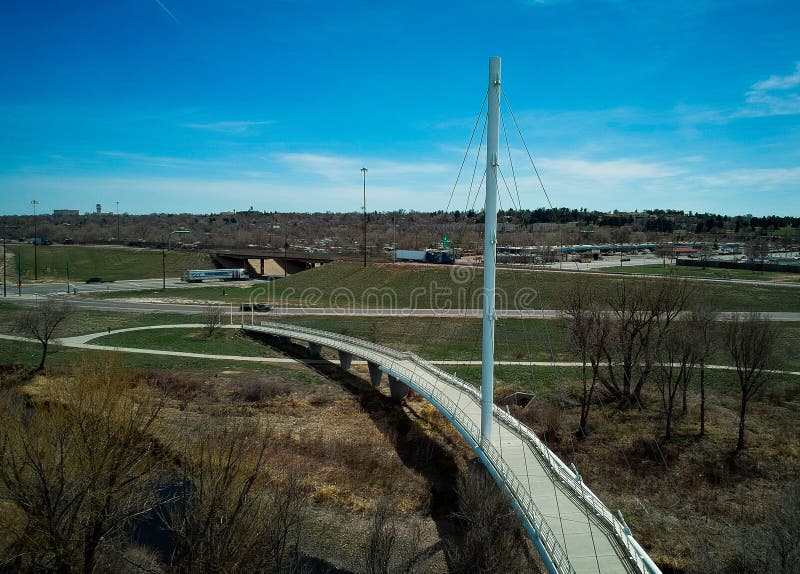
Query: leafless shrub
[[493, 540], [773, 546], [230, 515], [387, 550], [75, 471], [13, 374], [212, 317], [258, 390], [172, 385], [381, 539]]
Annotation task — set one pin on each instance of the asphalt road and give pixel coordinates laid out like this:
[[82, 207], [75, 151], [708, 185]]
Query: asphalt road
[[193, 309], [127, 285]]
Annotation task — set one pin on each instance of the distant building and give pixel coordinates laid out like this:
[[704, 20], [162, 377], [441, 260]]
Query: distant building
[[98, 209], [65, 212]]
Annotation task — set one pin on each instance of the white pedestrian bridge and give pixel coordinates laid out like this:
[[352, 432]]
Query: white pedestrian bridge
[[572, 529]]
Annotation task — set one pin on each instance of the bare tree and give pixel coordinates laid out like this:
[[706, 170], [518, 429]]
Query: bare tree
[[750, 340], [212, 318], [677, 354], [640, 309], [702, 320], [756, 251], [665, 251], [42, 321], [588, 329], [704, 254], [75, 470]]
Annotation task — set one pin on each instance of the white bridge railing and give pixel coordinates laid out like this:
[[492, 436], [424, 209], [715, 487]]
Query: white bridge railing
[[398, 363]]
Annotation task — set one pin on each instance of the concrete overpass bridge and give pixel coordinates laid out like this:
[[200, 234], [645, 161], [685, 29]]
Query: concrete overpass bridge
[[279, 262], [572, 529], [270, 262]]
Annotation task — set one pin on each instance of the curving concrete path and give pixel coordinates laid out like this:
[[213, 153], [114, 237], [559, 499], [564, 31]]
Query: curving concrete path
[[573, 531]]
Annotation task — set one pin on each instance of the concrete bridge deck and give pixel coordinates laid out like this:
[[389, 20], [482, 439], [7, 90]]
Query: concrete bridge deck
[[572, 529]]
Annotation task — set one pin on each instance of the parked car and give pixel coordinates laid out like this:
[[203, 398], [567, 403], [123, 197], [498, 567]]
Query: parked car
[[255, 307], [94, 280]]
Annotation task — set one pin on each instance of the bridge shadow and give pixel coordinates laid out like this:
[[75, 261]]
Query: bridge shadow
[[415, 447]]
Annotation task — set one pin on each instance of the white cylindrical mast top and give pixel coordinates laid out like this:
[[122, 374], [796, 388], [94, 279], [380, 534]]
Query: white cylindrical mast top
[[490, 249]]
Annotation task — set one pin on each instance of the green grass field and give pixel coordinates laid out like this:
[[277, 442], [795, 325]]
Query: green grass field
[[221, 342], [346, 285], [707, 273], [86, 321], [431, 338], [29, 354], [108, 263]]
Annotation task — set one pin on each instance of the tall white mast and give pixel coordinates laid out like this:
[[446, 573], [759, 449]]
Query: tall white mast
[[490, 249]]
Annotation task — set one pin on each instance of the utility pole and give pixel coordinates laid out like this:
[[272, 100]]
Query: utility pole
[[35, 242], [118, 238], [5, 254], [490, 250], [364, 171]]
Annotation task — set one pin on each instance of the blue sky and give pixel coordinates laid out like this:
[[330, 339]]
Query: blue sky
[[204, 106]]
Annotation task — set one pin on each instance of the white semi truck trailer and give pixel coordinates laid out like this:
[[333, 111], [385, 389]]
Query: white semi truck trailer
[[198, 275]]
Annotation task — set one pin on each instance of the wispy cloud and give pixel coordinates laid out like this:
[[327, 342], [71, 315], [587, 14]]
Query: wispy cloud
[[614, 170], [340, 168], [775, 96], [150, 160], [168, 12], [229, 127]]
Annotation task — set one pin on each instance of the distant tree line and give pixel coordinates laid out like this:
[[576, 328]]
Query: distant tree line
[[406, 229]]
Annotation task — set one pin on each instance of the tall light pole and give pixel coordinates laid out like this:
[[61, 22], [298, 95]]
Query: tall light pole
[[118, 221], [164, 255], [5, 232], [364, 171], [35, 242]]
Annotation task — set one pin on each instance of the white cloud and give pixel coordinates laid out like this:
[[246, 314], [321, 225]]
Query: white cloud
[[775, 96], [229, 127], [341, 168], [614, 170], [151, 160]]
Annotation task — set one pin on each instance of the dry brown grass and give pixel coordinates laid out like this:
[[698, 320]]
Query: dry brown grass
[[690, 485]]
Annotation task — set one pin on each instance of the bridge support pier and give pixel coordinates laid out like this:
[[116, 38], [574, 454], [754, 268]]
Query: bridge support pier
[[375, 374], [314, 350], [398, 388], [345, 359]]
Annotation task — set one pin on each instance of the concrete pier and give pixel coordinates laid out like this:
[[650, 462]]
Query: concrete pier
[[345, 359], [375, 374], [398, 388]]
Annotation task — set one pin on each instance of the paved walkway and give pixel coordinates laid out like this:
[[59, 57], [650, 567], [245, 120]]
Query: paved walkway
[[82, 342]]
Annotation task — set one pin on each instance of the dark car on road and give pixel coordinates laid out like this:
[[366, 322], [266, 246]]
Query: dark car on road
[[255, 307], [94, 280]]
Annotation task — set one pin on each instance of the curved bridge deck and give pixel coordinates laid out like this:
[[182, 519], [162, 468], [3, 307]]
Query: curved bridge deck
[[573, 531]]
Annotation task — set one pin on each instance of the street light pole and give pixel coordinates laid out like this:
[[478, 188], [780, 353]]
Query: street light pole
[[5, 253], [35, 242], [364, 171], [118, 221], [164, 255]]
